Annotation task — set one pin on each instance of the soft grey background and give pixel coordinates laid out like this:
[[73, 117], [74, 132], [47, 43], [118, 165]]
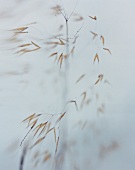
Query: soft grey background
[[32, 83]]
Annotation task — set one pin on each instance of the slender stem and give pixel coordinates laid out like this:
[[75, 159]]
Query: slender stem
[[64, 130], [23, 158], [65, 89], [67, 44]]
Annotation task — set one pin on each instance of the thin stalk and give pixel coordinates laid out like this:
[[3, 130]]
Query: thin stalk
[[67, 41], [65, 96], [64, 130], [23, 158], [65, 89]]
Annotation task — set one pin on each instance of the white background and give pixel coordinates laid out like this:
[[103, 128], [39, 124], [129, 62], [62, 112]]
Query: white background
[[38, 90]]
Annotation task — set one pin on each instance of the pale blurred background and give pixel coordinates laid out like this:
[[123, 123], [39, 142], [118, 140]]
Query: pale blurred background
[[33, 82]]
